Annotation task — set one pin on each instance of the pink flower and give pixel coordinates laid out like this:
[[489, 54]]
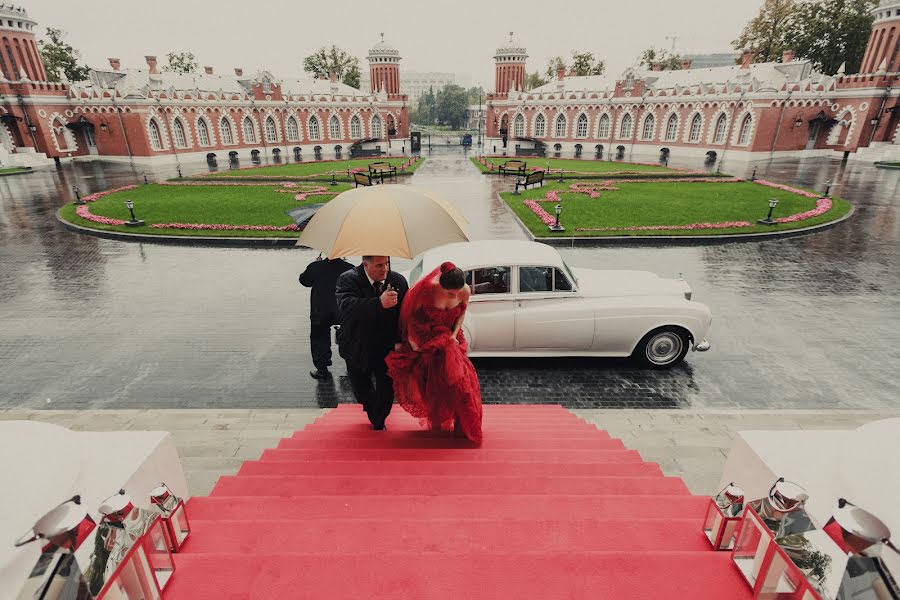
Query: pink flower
[[540, 212], [85, 213]]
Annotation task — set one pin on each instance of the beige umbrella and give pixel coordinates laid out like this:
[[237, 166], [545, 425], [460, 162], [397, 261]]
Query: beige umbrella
[[384, 220]]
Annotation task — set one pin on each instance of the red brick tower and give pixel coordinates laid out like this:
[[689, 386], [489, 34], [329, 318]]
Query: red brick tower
[[384, 68], [510, 67], [883, 50], [19, 56]]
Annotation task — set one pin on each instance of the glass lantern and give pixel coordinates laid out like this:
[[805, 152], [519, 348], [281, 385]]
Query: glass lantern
[[783, 509], [145, 569], [723, 516], [174, 515]]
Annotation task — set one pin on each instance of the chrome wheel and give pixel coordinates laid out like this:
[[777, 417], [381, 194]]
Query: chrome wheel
[[663, 348]]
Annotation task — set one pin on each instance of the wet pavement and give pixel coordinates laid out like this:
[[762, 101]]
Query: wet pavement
[[803, 323]]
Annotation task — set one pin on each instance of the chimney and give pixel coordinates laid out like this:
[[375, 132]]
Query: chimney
[[561, 73], [656, 67], [787, 56], [333, 77], [115, 63], [746, 59], [239, 71], [151, 62], [686, 64], [209, 70], [572, 72], [322, 77]]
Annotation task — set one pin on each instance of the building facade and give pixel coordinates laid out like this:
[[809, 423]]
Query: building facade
[[743, 111], [415, 84], [144, 115]]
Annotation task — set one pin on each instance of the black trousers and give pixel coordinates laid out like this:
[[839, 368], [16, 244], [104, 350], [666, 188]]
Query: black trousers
[[320, 339], [374, 390]]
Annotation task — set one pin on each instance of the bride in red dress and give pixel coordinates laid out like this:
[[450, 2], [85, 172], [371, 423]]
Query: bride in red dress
[[434, 380]]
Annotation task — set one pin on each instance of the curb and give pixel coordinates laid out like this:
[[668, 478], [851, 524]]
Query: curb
[[883, 165], [22, 172], [673, 240]]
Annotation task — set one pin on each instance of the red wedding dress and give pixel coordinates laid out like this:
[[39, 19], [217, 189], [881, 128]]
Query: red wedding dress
[[437, 384]]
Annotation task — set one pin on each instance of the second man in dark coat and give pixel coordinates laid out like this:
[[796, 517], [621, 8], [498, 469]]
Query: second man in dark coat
[[321, 275]]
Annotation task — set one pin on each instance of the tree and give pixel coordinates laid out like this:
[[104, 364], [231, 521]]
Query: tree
[[325, 60], [181, 62], [452, 106], [554, 65], [475, 94], [534, 80], [765, 33], [59, 56], [666, 60], [831, 32], [584, 63]]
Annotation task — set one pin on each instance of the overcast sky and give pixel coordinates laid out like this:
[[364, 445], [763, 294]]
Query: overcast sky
[[453, 36]]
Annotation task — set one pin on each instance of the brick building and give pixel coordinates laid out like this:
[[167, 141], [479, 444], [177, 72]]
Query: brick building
[[145, 115], [745, 111]]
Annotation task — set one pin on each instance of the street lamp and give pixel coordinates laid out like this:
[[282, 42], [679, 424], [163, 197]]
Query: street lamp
[[773, 202], [134, 222], [78, 199], [753, 176], [556, 226], [561, 175], [178, 167], [333, 180], [827, 189], [145, 178]]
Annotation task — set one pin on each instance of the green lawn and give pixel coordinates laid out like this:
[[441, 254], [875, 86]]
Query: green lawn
[[309, 169], [584, 166], [12, 170], [237, 205], [676, 203]]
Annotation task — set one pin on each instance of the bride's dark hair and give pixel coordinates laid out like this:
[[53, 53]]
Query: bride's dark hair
[[452, 278]]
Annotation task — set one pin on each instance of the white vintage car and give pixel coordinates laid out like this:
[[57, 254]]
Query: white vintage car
[[527, 302]]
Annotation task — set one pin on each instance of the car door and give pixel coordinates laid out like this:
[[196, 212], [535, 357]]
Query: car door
[[550, 313], [490, 318]]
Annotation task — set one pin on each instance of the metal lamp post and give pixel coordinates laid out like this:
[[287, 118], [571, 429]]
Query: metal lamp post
[[333, 180], [753, 176], [556, 226], [134, 222], [561, 175], [78, 199], [827, 189], [773, 202], [145, 178], [178, 167]]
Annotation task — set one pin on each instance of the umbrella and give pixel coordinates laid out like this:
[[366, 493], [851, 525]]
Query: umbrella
[[302, 215], [384, 220]]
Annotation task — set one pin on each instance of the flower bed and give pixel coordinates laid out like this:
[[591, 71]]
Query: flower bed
[[315, 170]]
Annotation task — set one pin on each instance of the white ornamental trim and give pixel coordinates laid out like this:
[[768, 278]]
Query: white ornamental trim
[[835, 133], [271, 114], [254, 123], [711, 132], [209, 128], [688, 125], [739, 120], [235, 133], [188, 136], [160, 127]]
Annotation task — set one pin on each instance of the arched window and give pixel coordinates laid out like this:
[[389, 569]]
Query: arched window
[[249, 133], [376, 126], [696, 124], [746, 124], [581, 129], [603, 127], [334, 128], [355, 127], [625, 127], [649, 127], [225, 126], [540, 126], [155, 138], [314, 128], [271, 131], [671, 128], [203, 132], [721, 122], [561, 125], [293, 132], [519, 126], [178, 128]]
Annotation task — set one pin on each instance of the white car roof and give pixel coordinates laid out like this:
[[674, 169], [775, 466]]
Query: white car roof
[[489, 253]]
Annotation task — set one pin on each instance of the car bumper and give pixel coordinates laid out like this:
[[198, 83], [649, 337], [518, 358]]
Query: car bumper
[[701, 346]]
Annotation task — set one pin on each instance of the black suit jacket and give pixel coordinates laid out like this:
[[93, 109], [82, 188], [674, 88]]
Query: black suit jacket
[[368, 330], [321, 276]]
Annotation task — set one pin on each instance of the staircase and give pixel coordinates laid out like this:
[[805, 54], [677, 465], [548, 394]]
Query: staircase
[[548, 507]]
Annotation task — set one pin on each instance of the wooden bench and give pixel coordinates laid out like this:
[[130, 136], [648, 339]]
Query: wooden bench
[[362, 179], [531, 179], [380, 169], [514, 167]]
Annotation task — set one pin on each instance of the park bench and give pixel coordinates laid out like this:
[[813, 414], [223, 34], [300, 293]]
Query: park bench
[[514, 167], [380, 169], [362, 179], [531, 179]]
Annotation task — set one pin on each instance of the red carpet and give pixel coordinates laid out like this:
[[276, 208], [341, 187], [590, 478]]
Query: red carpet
[[549, 507]]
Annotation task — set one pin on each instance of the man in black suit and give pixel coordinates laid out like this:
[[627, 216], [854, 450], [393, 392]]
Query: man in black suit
[[369, 298], [321, 275]]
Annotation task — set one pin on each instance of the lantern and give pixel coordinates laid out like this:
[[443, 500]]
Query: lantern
[[174, 516], [723, 516], [782, 510]]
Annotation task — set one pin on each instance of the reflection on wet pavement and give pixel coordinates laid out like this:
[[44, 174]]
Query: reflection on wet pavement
[[806, 322]]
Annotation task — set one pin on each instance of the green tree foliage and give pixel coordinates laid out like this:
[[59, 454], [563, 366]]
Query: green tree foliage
[[765, 33], [584, 63], [475, 94], [666, 60], [181, 62], [554, 65], [325, 60], [534, 80], [58, 56], [831, 32], [452, 105]]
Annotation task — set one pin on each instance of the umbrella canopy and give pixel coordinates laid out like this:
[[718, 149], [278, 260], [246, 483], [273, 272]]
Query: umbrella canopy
[[384, 220]]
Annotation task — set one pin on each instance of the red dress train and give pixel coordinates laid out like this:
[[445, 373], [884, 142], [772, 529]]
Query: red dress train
[[438, 383]]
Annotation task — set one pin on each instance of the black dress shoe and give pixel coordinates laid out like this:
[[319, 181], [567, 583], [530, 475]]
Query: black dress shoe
[[379, 426], [320, 374]]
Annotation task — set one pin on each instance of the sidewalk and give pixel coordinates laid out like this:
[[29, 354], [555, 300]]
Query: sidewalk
[[687, 444]]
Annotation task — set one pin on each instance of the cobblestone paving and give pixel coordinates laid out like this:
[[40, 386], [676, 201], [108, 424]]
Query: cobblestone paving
[[800, 323]]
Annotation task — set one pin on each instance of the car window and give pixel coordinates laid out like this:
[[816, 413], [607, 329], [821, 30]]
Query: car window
[[535, 279], [560, 282], [492, 280], [416, 271]]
